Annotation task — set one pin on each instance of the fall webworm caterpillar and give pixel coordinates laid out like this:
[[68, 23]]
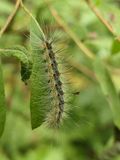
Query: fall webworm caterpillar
[[55, 116], [51, 80]]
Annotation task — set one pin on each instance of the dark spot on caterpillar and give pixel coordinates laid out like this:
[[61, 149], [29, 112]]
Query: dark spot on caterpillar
[[59, 82], [54, 62], [56, 75], [57, 87], [51, 55], [48, 45], [61, 106], [61, 92], [58, 118]]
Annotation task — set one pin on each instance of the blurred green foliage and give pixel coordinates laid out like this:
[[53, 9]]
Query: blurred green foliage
[[93, 132]]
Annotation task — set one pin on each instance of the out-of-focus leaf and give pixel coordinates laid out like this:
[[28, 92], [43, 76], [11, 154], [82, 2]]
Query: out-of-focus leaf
[[114, 60], [115, 47], [2, 103], [6, 7], [108, 89], [97, 2], [6, 41]]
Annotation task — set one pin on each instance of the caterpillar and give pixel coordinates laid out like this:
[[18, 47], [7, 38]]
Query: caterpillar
[[56, 82], [51, 102]]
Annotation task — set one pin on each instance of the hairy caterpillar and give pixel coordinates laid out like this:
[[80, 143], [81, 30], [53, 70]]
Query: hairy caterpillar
[[55, 82], [51, 99]]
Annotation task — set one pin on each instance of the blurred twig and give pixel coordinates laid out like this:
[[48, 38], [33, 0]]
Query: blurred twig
[[101, 18], [67, 29], [11, 16], [83, 69]]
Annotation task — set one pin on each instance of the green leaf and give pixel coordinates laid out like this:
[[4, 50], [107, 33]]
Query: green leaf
[[18, 52], [40, 99], [108, 89], [2, 103], [115, 47], [23, 55]]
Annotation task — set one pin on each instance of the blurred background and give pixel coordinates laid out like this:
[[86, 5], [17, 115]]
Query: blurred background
[[93, 132]]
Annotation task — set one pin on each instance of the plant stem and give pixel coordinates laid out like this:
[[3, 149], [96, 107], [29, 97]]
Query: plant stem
[[30, 14], [101, 18], [11, 16]]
